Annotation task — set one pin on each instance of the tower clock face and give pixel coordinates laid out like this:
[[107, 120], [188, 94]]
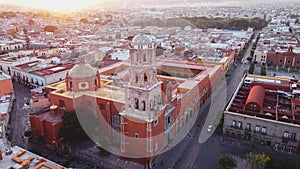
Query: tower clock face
[[83, 85]]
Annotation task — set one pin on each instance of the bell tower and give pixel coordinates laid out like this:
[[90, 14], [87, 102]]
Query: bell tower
[[143, 93], [143, 100]]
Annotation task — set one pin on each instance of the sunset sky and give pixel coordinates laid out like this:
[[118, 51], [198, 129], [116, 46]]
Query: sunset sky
[[75, 5], [55, 5]]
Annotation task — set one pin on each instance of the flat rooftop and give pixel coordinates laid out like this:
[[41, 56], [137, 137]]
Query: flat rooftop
[[49, 116], [273, 101], [53, 69], [10, 160], [4, 104]]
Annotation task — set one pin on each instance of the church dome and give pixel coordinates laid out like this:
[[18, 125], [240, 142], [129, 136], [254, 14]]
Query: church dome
[[141, 39], [82, 71]]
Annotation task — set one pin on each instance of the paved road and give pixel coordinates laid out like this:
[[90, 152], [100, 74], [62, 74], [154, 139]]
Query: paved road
[[19, 117], [189, 151]]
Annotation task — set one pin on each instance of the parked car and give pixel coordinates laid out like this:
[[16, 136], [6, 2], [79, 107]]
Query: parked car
[[209, 128]]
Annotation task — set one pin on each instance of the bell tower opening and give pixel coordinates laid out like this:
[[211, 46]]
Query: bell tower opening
[[136, 103], [145, 77]]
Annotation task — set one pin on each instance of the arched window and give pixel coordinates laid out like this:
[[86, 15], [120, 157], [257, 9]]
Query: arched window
[[136, 59], [151, 105], [71, 85], [145, 77], [136, 103], [143, 105], [136, 78]]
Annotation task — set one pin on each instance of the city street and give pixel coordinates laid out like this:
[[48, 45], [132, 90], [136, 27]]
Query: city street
[[187, 153], [19, 117]]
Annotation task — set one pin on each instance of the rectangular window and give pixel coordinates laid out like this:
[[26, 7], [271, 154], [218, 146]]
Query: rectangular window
[[233, 123], [257, 128], [286, 134], [293, 136], [102, 106], [239, 124], [248, 126], [264, 130]]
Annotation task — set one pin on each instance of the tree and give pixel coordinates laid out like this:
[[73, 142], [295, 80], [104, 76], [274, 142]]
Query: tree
[[251, 68], [263, 71], [27, 133], [50, 28], [250, 157], [27, 39], [227, 162], [262, 159], [228, 73], [71, 129]]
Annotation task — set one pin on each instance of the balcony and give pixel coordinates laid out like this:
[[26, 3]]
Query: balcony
[[287, 139]]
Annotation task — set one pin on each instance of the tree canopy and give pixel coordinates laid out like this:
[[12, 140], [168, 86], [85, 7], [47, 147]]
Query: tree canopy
[[260, 159], [205, 23], [227, 23], [71, 129], [227, 162]]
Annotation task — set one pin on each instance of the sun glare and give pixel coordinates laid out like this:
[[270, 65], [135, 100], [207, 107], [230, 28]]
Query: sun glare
[[57, 5]]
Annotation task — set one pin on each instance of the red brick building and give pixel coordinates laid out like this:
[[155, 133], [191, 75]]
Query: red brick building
[[286, 59]]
